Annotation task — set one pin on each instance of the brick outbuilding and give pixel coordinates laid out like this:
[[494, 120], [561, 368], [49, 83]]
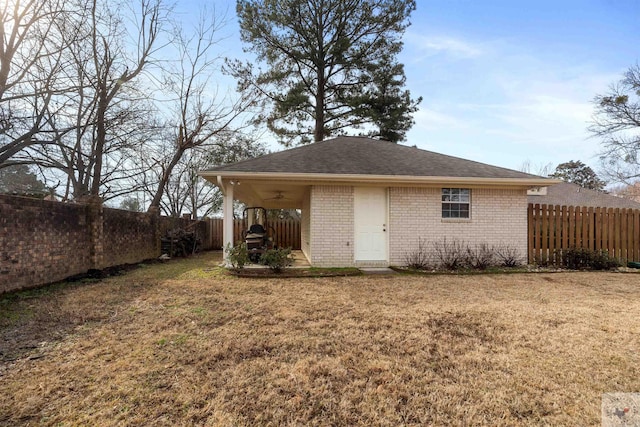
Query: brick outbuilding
[[366, 202]]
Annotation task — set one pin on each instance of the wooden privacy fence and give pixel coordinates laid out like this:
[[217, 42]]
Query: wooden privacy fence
[[286, 232], [554, 228]]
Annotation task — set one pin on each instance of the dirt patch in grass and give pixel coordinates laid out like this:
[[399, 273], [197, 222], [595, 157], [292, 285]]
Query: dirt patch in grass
[[186, 344]]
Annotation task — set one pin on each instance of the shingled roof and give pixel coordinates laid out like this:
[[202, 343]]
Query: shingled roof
[[567, 194], [364, 156]]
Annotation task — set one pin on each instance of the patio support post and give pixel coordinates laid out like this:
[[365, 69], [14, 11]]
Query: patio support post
[[227, 212], [249, 219]]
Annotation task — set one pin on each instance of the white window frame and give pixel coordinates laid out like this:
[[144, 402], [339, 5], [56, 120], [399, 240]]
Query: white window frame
[[455, 197]]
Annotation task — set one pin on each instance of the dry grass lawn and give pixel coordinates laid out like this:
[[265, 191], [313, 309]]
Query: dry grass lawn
[[183, 344]]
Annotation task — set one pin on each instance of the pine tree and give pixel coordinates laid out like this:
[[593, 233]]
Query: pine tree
[[331, 66]]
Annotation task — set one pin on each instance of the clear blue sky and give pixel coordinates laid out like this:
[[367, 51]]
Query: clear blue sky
[[506, 82]]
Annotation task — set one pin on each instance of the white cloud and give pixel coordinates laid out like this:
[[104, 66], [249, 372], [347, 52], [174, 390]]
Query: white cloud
[[433, 45], [430, 119]]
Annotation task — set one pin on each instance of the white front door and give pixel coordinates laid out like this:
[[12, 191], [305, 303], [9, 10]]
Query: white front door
[[370, 211]]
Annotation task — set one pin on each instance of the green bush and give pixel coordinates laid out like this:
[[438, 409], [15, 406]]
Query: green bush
[[602, 261], [277, 259], [237, 255], [588, 259]]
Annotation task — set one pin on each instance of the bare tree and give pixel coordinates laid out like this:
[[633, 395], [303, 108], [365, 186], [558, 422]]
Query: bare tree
[[540, 169], [627, 191], [104, 116], [184, 190], [200, 117], [114, 68], [80, 100], [617, 122], [31, 46]]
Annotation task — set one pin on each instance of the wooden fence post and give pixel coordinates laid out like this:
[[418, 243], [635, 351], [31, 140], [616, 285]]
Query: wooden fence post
[[597, 221], [636, 235], [565, 230]]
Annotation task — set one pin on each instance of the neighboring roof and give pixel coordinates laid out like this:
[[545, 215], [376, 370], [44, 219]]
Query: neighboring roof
[[568, 194], [364, 156]]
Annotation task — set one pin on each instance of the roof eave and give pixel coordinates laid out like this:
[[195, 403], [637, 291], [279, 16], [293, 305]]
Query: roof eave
[[378, 179]]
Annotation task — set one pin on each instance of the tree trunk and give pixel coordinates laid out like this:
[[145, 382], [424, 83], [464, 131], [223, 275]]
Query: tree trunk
[[155, 203], [319, 129], [101, 137]]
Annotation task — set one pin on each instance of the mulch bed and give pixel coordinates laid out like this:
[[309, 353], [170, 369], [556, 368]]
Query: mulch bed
[[297, 272]]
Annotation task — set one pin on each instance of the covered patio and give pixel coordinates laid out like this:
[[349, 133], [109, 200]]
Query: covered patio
[[269, 194]]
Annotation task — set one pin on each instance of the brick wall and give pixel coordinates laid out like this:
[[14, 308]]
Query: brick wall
[[45, 241], [129, 237], [41, 242], [498, 216], [331, 224]]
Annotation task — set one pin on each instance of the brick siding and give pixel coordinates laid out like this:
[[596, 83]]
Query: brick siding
[[331, 221], [498, 216]]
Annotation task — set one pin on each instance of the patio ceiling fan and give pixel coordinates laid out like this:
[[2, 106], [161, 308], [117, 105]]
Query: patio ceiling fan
[[279, 196]]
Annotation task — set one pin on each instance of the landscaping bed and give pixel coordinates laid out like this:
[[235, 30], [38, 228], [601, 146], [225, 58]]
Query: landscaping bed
[[295, 272]]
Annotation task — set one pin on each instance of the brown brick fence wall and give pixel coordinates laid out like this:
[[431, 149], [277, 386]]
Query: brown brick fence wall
[[128, 237], [45, 241], [41, 241]]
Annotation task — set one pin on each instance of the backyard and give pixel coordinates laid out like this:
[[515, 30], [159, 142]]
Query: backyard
[[182, 343]]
